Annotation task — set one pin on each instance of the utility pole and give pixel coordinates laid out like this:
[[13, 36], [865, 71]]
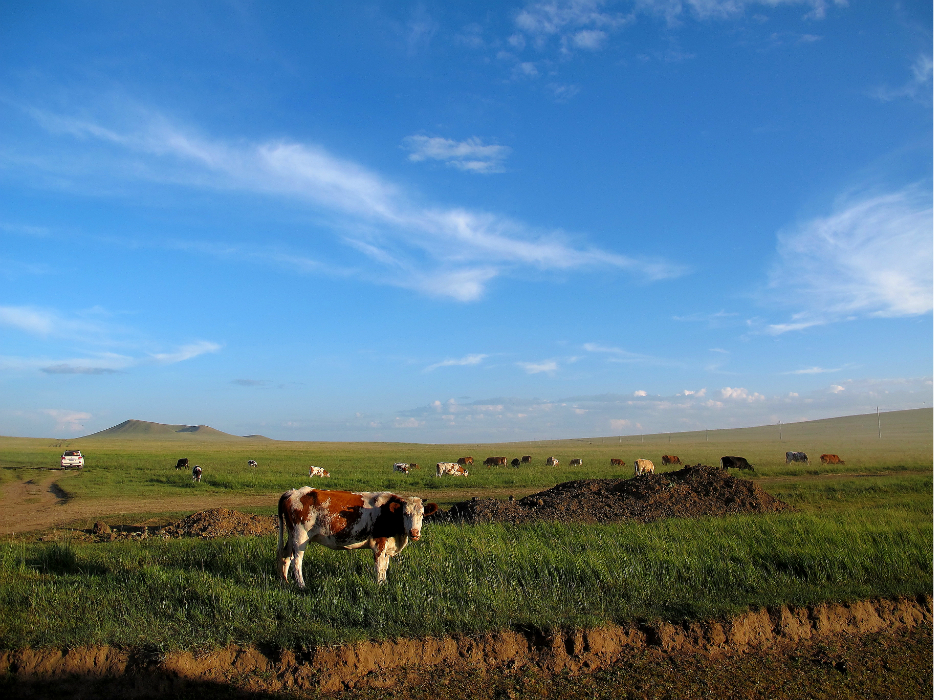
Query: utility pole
[[706, 436]]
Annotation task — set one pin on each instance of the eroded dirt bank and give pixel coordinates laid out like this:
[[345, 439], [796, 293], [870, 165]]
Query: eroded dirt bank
[[147, 673]]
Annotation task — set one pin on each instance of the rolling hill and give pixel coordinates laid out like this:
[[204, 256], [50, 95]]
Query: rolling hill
[[130, 429]]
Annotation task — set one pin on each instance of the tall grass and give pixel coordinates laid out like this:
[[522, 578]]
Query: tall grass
[[198, 593]]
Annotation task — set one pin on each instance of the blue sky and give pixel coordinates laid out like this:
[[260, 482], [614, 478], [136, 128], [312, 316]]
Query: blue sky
[[463, 221]]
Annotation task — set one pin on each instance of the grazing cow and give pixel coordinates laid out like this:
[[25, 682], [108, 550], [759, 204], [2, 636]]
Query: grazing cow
[[317, 471], [796, 457], [831, 459], [734, 463], [252, 463], [515, 462], [551, 462], [401, 467], [671, 459], [382, 521], [644, 466], [196, 473], [449, 469], [182, 463], [526, 459], [577, 462], [464, 461], [617, 462]]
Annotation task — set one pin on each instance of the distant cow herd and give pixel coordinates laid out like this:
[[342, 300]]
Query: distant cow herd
[[459, 468]]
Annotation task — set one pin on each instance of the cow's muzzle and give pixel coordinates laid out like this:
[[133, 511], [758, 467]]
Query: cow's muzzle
[[415, 534]]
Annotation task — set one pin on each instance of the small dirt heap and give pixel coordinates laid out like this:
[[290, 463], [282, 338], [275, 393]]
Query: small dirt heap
[[221, 522], [691, 492]]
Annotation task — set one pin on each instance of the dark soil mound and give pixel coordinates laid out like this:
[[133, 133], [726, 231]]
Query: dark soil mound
[[221, 522], [691, 492]]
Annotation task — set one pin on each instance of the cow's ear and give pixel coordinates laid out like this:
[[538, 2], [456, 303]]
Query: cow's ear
[[394, 506], [430, 508]]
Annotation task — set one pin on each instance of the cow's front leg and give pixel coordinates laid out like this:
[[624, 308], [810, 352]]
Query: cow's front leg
[[381, 555]]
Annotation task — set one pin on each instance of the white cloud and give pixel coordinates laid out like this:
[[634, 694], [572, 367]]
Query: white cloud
[[740, 394], [471, 155], [872, 257], [439, 251], [408, 423], [67, 420], [619, 423], [548, 366], [463, 361], [640, 392], [836, 388]]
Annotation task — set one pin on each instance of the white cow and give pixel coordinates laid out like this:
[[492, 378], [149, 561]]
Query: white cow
[[401, 467], [317, 471], [644, 466]]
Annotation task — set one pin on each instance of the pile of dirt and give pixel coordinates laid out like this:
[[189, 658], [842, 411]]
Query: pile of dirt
[[691, 492], [221, 522]]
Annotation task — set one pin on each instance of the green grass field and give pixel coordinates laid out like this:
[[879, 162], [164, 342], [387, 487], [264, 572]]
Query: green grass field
[[857, 531], [145, 465]]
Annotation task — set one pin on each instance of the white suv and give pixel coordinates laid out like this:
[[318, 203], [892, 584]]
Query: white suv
[[72, 458]]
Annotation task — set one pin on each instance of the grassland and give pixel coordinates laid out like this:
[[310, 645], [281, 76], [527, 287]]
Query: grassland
[[859, 530]]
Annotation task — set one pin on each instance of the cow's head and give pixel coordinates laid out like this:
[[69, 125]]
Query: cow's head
[[413, 510]]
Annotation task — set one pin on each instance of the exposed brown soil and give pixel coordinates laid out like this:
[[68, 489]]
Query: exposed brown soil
[[789, 641], [691, 492]]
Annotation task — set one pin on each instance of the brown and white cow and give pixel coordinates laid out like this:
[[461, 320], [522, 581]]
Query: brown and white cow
[[831, 459], [551, 462], [196, 473], [401, 467], [644, 466], [671, 459], [526, 459], [382, 521], [449, 469], [577, 462], [617, 462], [464, 461], [317, 471]]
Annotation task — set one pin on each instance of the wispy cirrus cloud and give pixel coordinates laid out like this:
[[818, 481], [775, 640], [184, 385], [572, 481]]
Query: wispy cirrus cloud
[[815, 370], [471, 155], [368, 212], [88, 329], [569, 26], [461, 362], [870, 258], [186, 352], [917, 86]]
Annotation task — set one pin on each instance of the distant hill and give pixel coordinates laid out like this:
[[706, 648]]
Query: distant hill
[[130, 429]]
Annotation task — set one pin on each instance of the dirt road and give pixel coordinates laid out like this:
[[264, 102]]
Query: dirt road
[[39, 504]]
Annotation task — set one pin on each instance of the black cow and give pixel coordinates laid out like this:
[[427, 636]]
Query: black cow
[[252, 463], [734, 463], [182, 463], [196, 473], [515, 462], [796, 457]]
